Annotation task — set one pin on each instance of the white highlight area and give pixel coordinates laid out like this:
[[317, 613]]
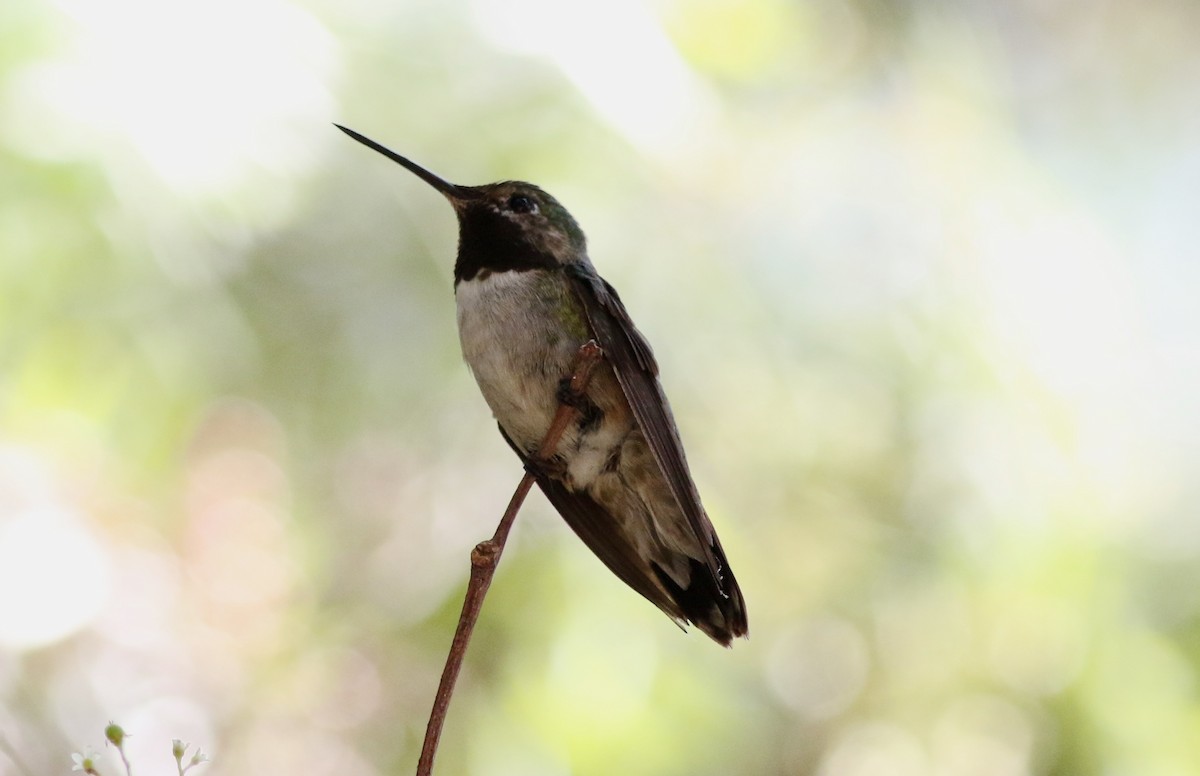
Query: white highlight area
[[204, 100], [54, 577], [617, 54]]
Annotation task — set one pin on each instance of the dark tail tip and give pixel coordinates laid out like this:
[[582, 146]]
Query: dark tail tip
[[718, 611]]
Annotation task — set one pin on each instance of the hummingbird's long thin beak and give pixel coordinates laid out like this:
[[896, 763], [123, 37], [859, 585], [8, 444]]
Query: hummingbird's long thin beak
[[453, 192]]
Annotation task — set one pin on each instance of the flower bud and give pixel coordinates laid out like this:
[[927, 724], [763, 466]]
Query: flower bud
[[115, 734]]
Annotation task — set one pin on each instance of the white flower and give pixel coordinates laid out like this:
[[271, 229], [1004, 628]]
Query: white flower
[[199, 757], [179, 748], [85, 761]]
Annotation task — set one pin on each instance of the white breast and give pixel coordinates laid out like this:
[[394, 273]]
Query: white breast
[[516, 342], [505, 326]]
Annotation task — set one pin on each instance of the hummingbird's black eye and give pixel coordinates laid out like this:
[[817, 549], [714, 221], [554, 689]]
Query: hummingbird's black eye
[[519, 203]]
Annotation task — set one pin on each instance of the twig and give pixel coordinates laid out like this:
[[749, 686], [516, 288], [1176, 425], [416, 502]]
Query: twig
[[486, 556]]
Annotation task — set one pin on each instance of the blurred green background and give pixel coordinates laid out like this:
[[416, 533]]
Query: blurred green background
[[922, 279]]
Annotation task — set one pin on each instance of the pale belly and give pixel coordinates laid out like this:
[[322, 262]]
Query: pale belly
[[520, 332]]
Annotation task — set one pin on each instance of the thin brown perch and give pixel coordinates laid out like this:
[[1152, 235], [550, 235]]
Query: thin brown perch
[[486, 556]]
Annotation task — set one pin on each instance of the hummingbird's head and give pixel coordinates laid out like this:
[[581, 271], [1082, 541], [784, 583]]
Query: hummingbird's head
[[502, 226], [520, 222]]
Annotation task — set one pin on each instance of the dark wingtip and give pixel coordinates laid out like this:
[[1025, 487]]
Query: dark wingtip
[[721, 614]]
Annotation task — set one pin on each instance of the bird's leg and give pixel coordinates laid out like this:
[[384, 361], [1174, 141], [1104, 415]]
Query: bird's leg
[[590, 415], [568, 395], [551, 468], [486, 556]]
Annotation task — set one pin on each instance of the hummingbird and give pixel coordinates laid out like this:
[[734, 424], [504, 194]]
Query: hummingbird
[[527, 298]]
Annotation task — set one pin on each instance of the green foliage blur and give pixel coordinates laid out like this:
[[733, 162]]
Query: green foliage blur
[[921, 277]]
